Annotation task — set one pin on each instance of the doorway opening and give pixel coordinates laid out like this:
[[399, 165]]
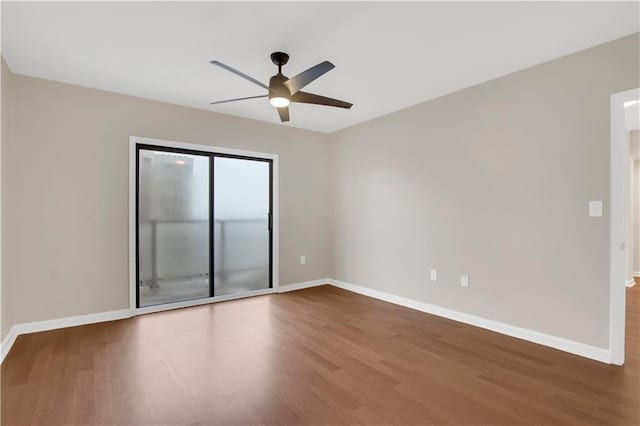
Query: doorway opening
[[633, 253], [623, 220]]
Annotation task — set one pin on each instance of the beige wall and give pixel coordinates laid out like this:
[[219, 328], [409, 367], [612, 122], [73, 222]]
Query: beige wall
[[65, 193], [500, 194], [492, 181]]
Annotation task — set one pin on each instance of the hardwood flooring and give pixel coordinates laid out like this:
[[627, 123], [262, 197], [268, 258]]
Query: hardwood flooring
[[320, 356]]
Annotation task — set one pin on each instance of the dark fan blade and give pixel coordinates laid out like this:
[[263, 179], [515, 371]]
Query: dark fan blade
[[310, 98], [241, 74], [238, 99], [284, 113], [296, 83]]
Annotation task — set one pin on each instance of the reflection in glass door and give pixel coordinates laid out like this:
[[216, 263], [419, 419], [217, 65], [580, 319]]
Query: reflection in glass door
[[242, 225], [204, 225]]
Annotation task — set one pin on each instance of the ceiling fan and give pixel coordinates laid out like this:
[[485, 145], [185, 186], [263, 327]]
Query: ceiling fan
[[283, 90]]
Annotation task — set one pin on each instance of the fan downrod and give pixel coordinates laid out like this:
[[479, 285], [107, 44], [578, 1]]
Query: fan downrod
[[279, 59]]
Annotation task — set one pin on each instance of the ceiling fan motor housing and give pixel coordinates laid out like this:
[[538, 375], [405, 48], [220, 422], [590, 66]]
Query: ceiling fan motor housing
[[277, 89]]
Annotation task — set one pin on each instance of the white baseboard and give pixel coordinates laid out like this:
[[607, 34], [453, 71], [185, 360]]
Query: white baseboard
[[631, 282], [588, 351], [636, 274], [7, 343], [306, 284], [34, 327]]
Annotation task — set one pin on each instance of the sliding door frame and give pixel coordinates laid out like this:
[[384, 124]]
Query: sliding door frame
[[136, 143]]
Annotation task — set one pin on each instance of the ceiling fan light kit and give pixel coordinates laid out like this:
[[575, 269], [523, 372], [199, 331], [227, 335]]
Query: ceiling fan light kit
[[283, 90]]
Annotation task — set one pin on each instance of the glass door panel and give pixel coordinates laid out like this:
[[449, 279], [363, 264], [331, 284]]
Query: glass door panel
[[173, 227], [242, 237]]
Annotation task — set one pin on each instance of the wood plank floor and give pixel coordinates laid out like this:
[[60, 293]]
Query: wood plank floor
[[321, 356]]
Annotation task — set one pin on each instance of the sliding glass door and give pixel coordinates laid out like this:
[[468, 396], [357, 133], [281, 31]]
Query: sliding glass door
[[242, 225], [203, 225]]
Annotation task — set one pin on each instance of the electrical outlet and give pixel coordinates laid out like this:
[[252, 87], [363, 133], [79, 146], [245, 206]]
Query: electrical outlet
[[303, 259], [434, 275], [464, 280]]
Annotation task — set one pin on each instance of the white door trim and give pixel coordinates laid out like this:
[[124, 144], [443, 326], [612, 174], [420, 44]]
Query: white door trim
[[619, 202], [133, 141]]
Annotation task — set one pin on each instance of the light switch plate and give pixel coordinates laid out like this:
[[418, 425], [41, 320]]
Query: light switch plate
[[303, 259], [464, 280], [434, 275], [595, 208]]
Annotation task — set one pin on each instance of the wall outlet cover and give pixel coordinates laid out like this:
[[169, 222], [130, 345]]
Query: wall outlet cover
[[595, 208], [464, 280]]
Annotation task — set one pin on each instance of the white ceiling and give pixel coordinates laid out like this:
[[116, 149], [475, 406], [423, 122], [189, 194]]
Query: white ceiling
[[388, 56]]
